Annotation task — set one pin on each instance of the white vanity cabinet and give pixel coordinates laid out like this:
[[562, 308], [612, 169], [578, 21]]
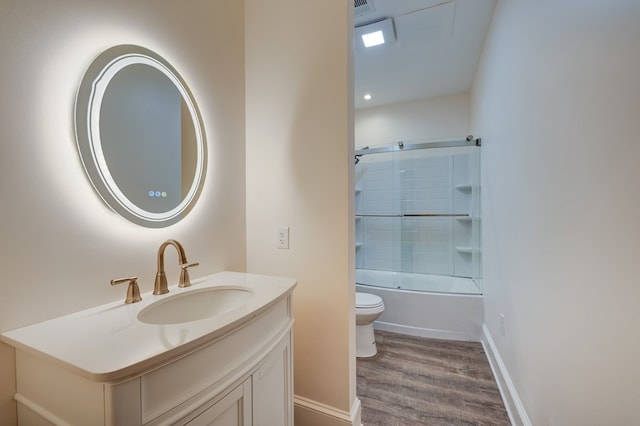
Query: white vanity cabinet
[[240, 374]]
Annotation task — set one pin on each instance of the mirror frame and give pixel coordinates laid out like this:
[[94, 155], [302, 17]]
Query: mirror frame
[[88, 139]]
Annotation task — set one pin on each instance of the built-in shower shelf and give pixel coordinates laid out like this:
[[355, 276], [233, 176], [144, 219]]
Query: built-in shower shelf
[[464, 250], [357, 190], [358, 245], [463, 218], [358, 218], [463, 187]]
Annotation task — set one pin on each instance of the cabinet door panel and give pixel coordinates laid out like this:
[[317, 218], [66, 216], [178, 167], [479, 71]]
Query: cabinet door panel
[[232, 410], [272, 385]]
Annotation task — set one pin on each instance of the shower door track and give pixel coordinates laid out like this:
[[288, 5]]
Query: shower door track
[[415, 215], [402, 146]]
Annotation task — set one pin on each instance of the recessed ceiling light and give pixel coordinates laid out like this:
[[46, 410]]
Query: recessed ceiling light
[[375, 38], [367, 96]]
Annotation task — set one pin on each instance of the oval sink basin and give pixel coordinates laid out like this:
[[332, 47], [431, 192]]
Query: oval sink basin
[[195, 305]]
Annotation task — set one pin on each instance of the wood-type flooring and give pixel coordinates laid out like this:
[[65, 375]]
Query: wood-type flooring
[[419, 381]]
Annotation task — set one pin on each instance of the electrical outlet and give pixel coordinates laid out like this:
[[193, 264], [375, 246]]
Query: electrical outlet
[[282, 237], [503, 329]]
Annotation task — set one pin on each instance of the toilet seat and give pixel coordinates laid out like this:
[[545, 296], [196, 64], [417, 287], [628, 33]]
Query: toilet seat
[[368, 301]]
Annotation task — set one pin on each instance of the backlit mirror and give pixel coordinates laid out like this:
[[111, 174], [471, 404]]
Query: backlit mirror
[[140, 136]]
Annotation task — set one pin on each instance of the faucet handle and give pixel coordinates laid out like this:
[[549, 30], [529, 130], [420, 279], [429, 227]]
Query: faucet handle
[[184, 274], [133, 291]]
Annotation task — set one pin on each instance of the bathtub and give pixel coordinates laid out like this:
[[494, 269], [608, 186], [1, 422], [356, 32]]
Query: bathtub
[[433, 306]]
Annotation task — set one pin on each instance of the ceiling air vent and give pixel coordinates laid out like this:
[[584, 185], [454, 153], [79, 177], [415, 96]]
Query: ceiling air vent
[[362, 7]]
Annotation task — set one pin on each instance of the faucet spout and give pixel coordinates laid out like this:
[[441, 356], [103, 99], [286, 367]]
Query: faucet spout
[[160, 286]]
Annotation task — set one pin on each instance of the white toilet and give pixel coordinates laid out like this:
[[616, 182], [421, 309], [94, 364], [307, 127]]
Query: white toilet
[[368, 309]]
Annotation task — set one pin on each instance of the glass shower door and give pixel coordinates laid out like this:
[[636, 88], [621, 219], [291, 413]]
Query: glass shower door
[[378, 221], [418, 218]]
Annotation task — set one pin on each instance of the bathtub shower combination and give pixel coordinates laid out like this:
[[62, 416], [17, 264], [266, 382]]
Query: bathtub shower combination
[[418, 236]]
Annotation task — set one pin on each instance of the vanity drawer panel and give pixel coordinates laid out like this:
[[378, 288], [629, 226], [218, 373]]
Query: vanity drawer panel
[[211, 368]]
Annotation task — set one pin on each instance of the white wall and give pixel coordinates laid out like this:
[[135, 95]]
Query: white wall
[[556, 102], [60, 244], [299, 174], [439, 118]]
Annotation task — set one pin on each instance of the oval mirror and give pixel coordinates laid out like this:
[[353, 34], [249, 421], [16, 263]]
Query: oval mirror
[[140, 136]]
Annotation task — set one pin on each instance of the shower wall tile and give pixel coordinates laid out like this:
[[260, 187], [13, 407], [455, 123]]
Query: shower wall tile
[[426, 245], [380, 242], [461, 202]]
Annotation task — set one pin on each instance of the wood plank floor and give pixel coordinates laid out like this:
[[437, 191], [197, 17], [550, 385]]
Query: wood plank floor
[[419, 381]]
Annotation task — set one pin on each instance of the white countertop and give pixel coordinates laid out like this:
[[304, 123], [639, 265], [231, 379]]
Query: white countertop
[[108, 343]]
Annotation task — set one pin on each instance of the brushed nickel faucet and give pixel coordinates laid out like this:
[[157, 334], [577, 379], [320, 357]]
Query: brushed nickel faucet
[[160, 286]]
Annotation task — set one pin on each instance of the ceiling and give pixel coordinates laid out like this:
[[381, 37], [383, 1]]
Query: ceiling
[[438, 46]]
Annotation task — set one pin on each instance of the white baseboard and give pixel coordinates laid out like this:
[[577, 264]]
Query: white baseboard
[[513, 404], [331, 415], [356, 413], [424, 332]]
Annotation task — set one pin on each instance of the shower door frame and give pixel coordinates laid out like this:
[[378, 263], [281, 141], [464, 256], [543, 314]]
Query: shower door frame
[[400, 146]]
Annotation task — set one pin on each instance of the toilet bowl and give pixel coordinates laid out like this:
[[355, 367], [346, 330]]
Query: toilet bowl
[[368, 308]]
